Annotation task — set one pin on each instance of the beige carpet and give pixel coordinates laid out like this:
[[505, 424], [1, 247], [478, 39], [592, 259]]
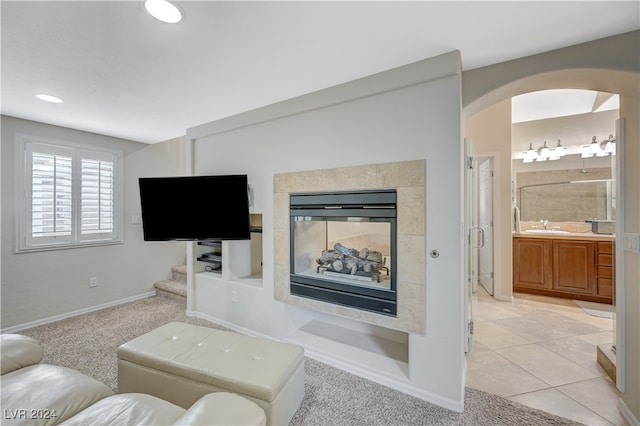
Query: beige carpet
[[88, 343]]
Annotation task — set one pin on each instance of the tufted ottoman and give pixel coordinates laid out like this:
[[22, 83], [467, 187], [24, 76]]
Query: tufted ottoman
[[180, 362]]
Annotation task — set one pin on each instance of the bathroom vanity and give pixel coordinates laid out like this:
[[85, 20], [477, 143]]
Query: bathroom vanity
[[570, 265]]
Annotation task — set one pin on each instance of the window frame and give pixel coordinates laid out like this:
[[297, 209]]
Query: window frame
[[25, 242]]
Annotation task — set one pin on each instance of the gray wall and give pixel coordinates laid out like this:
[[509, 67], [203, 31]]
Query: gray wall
[[50, 284], [409, 113]]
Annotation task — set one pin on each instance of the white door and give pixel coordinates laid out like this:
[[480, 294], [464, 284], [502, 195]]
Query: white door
[[485, 222]]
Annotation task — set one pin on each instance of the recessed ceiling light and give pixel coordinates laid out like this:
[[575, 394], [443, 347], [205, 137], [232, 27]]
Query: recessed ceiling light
[[163, 11], [49, 98]]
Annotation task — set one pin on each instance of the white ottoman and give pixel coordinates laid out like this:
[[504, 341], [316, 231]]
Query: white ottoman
[[180, 362]]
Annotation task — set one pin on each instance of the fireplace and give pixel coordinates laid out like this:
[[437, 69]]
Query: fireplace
[[343, 248]]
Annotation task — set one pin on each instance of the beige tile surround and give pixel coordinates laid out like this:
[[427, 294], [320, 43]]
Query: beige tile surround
[[408, 178]]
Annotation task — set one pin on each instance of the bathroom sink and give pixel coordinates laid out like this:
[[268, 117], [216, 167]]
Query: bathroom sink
[[546, 231]]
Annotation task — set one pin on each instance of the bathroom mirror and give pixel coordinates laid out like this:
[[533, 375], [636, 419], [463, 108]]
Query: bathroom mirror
[[566, 195]]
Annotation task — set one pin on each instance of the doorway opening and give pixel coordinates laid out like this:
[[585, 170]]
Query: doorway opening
[[506, 331]]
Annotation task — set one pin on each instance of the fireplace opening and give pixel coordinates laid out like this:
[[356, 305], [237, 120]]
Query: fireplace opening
[[343, 248]]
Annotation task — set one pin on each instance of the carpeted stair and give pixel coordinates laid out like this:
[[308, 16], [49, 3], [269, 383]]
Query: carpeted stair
[[176, 287]]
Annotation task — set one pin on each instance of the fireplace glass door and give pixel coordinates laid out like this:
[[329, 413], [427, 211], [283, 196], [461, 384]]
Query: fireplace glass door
[[343, 248]]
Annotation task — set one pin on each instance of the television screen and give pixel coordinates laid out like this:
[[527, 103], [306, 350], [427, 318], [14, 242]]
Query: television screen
[[195, 208]]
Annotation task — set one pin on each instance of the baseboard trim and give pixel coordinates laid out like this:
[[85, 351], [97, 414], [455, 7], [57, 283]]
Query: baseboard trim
[[227, 324], [54, 318], [626, 413]]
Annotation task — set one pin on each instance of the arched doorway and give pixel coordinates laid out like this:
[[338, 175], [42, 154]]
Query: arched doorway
[[517, 338], [622, 82]]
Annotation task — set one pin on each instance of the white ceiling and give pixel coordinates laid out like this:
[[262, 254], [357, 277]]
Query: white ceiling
[[122, 73], [560, 103]]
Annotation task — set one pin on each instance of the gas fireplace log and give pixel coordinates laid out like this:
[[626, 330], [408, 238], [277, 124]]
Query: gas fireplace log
[[349, 261]]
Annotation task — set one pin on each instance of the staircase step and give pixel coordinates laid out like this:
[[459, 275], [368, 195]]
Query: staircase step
[[171, 288], [179, 273]]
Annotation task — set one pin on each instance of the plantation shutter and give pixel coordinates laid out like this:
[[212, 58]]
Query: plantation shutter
[[66, 195], [97, 195], [50, 191]]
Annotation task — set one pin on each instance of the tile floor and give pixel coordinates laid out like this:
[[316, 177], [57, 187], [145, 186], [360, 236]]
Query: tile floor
[[541, 352]]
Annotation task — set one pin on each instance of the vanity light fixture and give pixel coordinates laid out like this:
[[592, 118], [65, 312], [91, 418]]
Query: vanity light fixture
[[609, 145], [530, 155], [590, 150], [599, 149], [559, 150], [49, 98], [163, 11], [595, 148], [543, 152]]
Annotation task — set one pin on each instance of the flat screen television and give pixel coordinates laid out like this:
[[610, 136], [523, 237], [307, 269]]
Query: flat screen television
[[195, 208]]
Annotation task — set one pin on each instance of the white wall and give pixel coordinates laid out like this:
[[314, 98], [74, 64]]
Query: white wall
[[409, 113], [40, 286]]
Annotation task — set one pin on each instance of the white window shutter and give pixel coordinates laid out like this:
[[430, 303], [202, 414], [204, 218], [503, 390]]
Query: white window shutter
[[66, 195], [97, 195], [51, 194]]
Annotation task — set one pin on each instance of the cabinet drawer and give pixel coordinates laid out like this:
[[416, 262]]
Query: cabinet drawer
[[605, 259], [605, 247], [605, 272], [605, 287]]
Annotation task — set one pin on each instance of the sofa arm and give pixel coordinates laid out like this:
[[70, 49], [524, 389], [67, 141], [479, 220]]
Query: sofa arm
[[223, 408], [18, 351]]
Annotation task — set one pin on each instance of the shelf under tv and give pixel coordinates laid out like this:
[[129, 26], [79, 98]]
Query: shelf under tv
[[211, 258]]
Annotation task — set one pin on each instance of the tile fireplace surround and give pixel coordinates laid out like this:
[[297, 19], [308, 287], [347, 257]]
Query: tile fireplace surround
[[408, 178]]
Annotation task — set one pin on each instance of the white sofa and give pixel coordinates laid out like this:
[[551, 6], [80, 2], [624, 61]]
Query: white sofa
[[43, 394]]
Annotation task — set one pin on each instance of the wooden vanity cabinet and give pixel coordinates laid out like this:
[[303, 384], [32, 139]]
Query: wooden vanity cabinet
[[574, 266], [605, 282], [560, 267], [533, 260]]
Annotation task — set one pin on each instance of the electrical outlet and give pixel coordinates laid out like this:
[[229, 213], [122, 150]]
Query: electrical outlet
[[234, 296], [93, 281]]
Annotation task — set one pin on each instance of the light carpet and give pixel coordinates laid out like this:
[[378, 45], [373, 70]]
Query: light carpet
[[88, 343]]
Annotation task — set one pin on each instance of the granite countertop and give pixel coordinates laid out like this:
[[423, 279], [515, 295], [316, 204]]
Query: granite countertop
[[567, 236]]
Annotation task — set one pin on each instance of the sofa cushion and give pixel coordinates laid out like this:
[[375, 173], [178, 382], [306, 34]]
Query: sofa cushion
[[128, 409], [46, 394], [18, 351]]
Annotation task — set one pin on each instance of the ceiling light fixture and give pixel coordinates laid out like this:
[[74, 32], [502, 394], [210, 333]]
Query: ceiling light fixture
[[49, 98], [163, 11]]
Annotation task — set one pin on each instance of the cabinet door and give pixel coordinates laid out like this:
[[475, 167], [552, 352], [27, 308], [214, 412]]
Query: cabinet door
[[532, 263], [574, 266]]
